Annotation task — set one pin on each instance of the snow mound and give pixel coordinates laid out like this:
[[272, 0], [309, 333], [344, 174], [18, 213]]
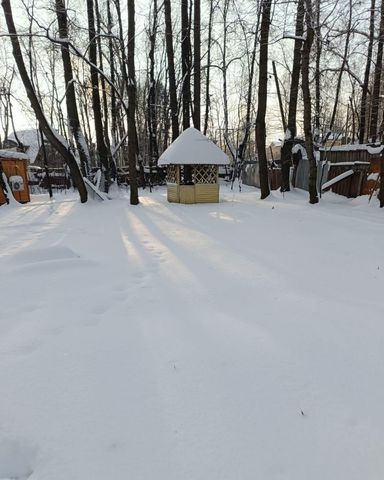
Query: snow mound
[[40, 255], [16, 460]]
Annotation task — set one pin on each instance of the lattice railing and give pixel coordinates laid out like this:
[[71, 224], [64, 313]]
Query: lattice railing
[[172, 174], [205, 174]]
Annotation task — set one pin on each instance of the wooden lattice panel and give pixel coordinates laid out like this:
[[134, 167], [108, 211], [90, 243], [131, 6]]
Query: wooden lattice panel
[[205, 174], [173, 174]]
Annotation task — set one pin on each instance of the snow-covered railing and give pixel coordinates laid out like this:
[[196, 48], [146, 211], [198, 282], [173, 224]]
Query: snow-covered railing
[[372, 149], [347, 164]]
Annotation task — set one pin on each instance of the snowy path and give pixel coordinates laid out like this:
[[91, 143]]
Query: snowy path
[[242, 340]]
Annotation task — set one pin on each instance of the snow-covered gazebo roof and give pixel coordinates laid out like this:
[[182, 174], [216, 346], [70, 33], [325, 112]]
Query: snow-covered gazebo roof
[[193, 148]]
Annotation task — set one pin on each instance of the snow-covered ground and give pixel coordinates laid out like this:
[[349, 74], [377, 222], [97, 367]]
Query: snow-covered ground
[[234, 341]]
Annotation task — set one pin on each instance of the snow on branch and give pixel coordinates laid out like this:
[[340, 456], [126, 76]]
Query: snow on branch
[[292, 36]]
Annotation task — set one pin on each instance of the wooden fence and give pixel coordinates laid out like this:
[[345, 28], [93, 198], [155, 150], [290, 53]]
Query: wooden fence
[[364, 160]]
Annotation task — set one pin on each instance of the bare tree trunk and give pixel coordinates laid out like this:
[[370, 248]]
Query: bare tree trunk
[[290, 134], [313, 197], [102, 80], [208, 69], [375, 102], [283, 121], [342, 68], [186, 75], [353, 133], [185, 63], [70, 94], [85, 118], [132, 136], [262, 98], [123, 64], [166, 119], [152, 108], [126, 84], [6, 104], [364, 92], [196, 66], [224, 68], [319, 49], [99, 130], [112, 69], [244, 142], [171, 69], [46, 128]]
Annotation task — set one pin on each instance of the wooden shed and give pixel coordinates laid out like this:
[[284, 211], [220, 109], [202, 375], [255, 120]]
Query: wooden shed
[[14, 166], [192, 162]]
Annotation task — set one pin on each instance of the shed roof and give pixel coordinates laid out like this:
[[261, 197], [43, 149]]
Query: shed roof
[[13, 154], [31, 141], [193, 148]]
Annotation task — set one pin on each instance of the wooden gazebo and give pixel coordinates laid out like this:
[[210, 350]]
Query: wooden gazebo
[[192, 162]]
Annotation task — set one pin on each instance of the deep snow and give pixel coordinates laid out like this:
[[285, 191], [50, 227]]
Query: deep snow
[[242, 340]]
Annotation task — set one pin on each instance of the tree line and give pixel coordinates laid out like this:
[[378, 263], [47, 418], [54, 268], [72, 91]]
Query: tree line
[[119, 81]]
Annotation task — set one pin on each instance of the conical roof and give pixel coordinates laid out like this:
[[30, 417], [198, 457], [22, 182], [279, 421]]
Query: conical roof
[[193, 148]]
